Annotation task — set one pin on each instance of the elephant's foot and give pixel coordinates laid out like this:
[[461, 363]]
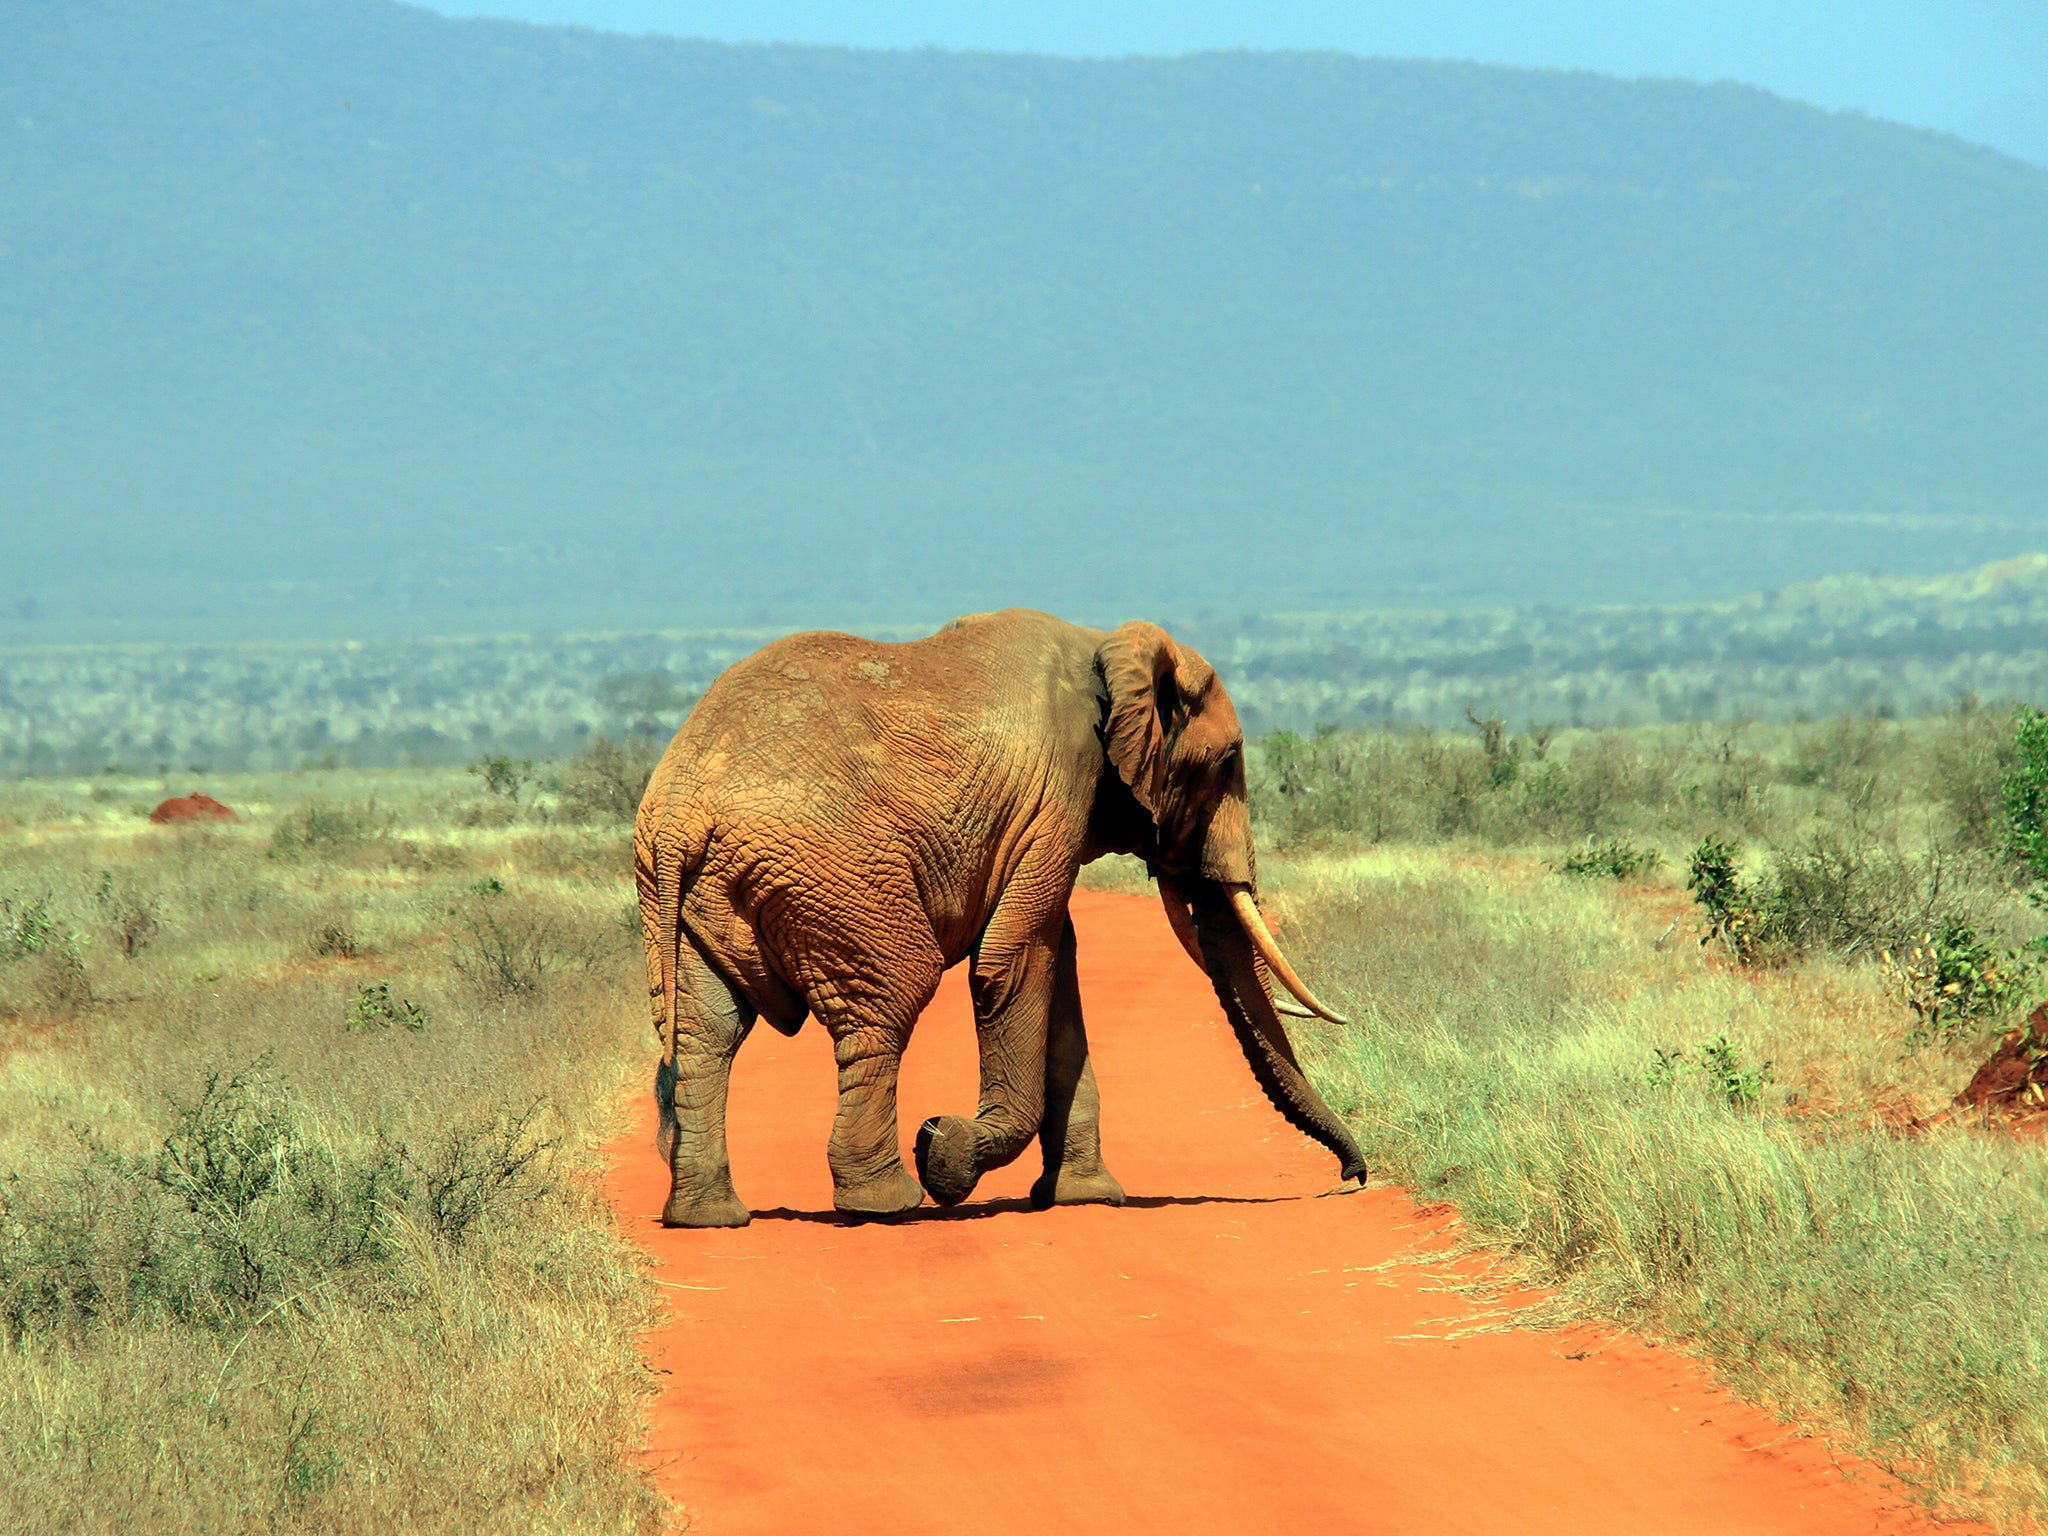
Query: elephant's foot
[[1072, 1186], [946, 1158], [714, 1208], [891, 1195]]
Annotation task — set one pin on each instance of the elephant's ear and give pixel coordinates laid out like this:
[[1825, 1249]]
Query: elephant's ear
[[1138, 662]]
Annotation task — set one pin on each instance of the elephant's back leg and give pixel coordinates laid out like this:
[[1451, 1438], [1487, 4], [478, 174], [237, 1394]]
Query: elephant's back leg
[[870, 968], [690, 1089]]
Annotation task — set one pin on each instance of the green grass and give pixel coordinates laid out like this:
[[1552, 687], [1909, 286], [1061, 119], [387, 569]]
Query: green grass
[[298, 1190], [1886, 1286]]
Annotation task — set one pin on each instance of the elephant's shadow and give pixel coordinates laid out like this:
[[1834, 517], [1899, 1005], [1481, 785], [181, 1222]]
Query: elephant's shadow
[[980, 1210]]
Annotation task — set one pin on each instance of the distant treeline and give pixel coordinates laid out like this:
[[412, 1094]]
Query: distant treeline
[[1846, 645]]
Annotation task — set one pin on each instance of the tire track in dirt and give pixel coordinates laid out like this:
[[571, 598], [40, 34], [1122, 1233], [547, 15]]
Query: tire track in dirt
[[1217, 1356]]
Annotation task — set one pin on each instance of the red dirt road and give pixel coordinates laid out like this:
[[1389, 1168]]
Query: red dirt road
[[1216, 1356]]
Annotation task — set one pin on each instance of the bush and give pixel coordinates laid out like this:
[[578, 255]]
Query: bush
[[1735, 914], [471, 1170], [1616, 858], [1719, 1061], [1952, 979], [241, 1206], [130, 920], [503, 778], [1836, 892], [374, 1010], [1969, 754], [321, 829], [237, 1207], [607, 780], [1847, 893], [41, 970], [506, 948], [2025, 794], [28, 928], [335, 940]]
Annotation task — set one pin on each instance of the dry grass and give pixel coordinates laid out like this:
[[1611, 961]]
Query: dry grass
[[373, 1286]]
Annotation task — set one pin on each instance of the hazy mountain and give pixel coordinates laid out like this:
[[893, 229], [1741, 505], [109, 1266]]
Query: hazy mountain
[[334, 314]]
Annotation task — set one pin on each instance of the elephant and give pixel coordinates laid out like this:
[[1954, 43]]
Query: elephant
[[839, 821]]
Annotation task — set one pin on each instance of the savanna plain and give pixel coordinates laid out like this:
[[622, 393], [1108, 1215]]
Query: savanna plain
[[301, 1114]]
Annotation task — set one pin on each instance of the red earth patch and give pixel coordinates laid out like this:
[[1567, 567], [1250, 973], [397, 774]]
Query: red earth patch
[[192, 807], [2014, 1082]]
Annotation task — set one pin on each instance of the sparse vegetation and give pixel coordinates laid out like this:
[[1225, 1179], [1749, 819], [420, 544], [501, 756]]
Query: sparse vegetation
[[1746, 1145], [1750, 1145], [279, 1240]]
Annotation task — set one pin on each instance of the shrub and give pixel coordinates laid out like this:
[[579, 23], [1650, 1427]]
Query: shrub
[[1719, 1061], [266, 1203], [2025, 793], [1503, 755], [374, 1009], [41, 971], [242, 1206], [505, 949], [1951, 979], [471, 1170], [1968, 756], [1829, 892], [321, 829], [1615, 858], [27, 928], [335, 940], [237, 1207], [1846, 892], [1734, 912], [503, 778], [130, 919], [607, 780]]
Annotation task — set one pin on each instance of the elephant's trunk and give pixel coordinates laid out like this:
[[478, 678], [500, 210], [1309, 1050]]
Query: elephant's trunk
[[1234, 960], [1262, 939], [1176, 904]]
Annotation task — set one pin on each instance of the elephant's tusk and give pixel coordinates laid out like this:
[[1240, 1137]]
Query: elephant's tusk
[[1182, 923], [1255, 929]]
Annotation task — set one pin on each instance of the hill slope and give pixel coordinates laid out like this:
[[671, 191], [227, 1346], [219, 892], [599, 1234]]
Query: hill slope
[[336, 307]]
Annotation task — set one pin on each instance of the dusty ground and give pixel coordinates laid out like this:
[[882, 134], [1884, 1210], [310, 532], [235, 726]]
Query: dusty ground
[[1220, 1355]]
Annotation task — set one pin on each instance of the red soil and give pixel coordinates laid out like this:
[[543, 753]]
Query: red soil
[[2014, 1082], [1217, 1356], [192, 807]]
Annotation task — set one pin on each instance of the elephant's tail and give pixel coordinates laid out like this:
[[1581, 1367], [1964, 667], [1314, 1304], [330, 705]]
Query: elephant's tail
[[667, 850]]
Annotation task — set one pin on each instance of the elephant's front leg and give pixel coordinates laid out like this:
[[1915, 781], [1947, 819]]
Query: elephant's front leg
[[1014, 973], [1070, 1133]]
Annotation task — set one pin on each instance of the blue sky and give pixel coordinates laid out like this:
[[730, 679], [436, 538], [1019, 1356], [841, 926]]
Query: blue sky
[[1977, 68]]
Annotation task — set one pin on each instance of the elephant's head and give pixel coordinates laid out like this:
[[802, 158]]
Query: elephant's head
[[1172, 735]]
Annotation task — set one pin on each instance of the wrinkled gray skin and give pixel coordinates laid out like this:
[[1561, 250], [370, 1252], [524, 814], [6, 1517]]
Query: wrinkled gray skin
[[839, 821]]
